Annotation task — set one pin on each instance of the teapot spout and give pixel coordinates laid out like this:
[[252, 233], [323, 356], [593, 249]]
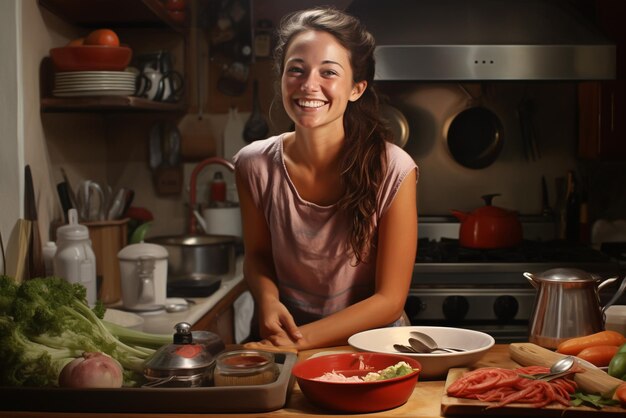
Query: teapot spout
[[461, 216]]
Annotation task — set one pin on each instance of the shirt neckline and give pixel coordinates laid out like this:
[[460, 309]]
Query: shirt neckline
[[292, 186]]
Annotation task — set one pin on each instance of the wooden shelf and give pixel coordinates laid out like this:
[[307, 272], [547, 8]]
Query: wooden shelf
[[109, 103], [113, 13]]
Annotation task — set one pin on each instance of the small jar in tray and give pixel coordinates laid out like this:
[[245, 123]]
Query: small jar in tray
[[245, 367]]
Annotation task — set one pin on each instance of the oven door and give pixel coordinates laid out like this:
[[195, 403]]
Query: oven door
[[501, 313]]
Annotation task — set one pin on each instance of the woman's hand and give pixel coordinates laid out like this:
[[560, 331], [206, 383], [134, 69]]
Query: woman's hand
[[276, 320]]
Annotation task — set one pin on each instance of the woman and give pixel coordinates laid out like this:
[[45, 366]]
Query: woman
[[329, 211]]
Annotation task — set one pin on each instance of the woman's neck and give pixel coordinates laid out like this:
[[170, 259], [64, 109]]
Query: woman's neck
[[316, 149]]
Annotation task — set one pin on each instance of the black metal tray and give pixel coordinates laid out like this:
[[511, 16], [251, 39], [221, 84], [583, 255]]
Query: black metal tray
[[259, 398]]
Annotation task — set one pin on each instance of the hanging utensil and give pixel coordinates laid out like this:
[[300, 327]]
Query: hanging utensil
[[256, 126], [197, 142], [397, 123], [475, 135]]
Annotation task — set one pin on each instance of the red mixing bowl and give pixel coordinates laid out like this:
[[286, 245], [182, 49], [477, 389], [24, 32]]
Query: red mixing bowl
[[91, 58], [355, 396]]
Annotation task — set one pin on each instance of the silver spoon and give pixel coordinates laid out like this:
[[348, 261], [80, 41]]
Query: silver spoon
[[404, 348], [428, 345], [558, 369]]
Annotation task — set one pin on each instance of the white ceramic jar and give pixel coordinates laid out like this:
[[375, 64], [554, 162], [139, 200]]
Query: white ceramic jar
[[143, 274], [74, 259]]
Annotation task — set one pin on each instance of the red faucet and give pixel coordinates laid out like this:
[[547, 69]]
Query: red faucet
[[192, 186]]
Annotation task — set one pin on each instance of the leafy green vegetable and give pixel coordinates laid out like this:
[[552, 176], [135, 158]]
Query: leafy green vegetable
[[46, 322], [399, 369], [595, 401]]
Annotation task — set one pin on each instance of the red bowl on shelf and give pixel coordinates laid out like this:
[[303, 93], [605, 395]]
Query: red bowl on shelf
[[91, 58], [355, 397]]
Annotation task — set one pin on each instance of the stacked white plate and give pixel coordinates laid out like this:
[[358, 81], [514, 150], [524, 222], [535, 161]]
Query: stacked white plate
[[94, 83]]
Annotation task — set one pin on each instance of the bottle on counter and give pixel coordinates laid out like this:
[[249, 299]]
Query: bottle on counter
[[217, 189], [74, 259]]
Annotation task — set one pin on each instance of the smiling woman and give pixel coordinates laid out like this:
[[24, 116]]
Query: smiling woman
[[329, 210]]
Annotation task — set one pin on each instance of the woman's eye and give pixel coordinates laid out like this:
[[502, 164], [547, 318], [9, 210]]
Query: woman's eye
[[329, 73], [295, 70]]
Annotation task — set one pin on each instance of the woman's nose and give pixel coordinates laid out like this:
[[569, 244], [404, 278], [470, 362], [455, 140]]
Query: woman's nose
[[309, 84]]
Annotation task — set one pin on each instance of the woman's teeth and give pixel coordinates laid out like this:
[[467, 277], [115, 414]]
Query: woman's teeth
[[310, 103]]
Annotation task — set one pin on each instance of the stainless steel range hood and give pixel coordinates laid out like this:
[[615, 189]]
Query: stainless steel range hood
[[484, 40]]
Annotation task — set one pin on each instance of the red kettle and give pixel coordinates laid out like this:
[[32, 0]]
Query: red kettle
[[489, 227]]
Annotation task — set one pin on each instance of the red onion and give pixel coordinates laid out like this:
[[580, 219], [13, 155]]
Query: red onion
[[92, 370]]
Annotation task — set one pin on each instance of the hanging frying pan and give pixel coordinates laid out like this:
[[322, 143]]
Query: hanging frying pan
[[397, 123], [475, 135]]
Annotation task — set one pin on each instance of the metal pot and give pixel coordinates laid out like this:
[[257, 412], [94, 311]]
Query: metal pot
[[184, 363], [567, 305], [198, 256], [489, 227], [397, 123], [474, 135]]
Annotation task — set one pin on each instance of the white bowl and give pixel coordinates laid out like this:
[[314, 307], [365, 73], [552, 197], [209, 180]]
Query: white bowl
[[124, 319], [434, 365]]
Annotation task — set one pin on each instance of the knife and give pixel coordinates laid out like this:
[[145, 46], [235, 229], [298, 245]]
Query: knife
[[35, 256], [64, 197]]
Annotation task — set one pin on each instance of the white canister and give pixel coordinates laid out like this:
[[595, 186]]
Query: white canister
[[74, 259], [223, 221], [143, 274]]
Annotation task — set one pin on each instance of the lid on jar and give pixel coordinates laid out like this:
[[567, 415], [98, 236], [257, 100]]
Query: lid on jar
[[135, 251], [181, 358], [73, 231]]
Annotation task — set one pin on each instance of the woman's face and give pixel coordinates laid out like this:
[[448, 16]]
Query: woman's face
[[317, 80]]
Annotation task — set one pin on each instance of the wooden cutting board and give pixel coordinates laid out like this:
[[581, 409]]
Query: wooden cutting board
[[459, 406]]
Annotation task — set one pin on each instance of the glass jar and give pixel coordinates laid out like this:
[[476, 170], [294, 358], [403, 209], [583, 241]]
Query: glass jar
[[245, 367]]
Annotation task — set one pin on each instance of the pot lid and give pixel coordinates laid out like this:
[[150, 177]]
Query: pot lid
[[493, 211], [566, 275], [182, 357], [73, 231], [134, 251]]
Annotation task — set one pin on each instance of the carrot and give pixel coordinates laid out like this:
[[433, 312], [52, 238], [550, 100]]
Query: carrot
[[620, 394], [573, 346], [598, 355]]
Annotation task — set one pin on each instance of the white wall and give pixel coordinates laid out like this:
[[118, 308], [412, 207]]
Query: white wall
[[11, 133]]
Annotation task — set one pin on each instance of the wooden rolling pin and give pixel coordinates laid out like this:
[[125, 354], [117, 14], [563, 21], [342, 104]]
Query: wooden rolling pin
[[593, 380]]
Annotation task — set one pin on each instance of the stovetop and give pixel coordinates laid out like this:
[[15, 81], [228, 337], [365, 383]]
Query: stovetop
[[443, 261], [448, 250]]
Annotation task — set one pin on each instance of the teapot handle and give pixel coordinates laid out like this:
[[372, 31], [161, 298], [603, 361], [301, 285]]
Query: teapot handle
[[617, 294], [606, 282], [532, 280]]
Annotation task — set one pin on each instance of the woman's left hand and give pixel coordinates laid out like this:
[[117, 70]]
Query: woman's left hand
[[269, 346]]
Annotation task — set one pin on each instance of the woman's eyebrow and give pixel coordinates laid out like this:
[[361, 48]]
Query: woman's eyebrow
[[301, 61]]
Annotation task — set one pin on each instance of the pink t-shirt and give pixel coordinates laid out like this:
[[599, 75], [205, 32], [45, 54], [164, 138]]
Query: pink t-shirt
[[315, 274]]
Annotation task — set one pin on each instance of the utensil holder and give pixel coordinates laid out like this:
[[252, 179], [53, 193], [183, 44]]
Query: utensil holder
[[107, 239]]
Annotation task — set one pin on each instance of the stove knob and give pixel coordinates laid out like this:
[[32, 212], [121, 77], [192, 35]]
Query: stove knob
[[413, 307], [455, 308], [505, 307]]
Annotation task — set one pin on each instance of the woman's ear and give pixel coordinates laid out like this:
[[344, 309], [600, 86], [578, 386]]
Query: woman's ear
[[357, 90]]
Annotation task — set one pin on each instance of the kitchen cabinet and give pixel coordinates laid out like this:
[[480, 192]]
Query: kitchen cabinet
[[221, 319], [602, 104], [116, 14], [602, 126]]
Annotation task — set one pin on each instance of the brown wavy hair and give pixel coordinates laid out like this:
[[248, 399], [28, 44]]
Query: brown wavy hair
[[363, 166]]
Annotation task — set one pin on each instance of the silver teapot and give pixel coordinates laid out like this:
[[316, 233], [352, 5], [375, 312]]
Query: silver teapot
[[567, 305]]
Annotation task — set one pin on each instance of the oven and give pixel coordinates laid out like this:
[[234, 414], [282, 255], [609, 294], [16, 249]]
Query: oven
[[485, 290]]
